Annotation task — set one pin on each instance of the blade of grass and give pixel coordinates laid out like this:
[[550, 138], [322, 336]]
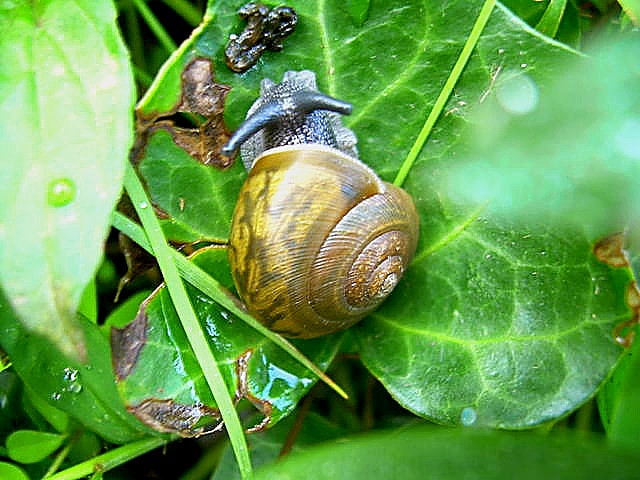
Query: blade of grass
[[155, 26], [209, 286], [190, 322], [445, 93], [110, 459], [186, 10], [550, 21]]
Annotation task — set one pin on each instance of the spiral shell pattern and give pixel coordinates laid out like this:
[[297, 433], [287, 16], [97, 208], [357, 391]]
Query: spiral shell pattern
[[318, 241]]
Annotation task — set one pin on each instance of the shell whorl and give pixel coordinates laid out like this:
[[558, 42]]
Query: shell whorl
[[317, 254]]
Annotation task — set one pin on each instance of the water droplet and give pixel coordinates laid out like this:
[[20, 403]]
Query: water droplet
[[500, 51], [533, 274], [70, 374], [61, 192], [524, 65], [56, 396], [518, 94], [144, 204], [74, 387], [468, 416], [71, 378]]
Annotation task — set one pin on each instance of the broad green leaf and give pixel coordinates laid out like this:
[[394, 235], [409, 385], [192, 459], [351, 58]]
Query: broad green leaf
[[436, 453], [65, 121], [162, 383], [31, 446], [12, 472], [86, 392], [495, 320]]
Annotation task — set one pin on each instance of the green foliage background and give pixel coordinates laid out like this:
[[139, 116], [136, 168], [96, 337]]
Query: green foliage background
[[505, 318]]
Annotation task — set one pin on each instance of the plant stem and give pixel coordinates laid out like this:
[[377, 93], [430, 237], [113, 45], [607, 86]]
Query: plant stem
[[109, 460], [445, 93]]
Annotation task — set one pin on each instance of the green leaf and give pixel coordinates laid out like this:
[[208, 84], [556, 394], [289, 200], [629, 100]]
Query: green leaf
[[495, 319], [12, 472], [56, 417], [84, 391], [425, 451], [123, 313], [30, 446], [618, 400], [194, 195], [65, 119], [161, 381]]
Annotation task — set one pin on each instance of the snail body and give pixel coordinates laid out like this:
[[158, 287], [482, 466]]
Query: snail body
[[317, 240]]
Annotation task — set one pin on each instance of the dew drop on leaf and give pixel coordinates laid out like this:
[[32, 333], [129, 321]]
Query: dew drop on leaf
[[468, 416], [61, 192], [56, 396], [70, 377], [144, 205], [517, 94], [70, 374]]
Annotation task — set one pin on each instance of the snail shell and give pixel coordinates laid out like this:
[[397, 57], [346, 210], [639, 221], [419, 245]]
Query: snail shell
[[317, 241]]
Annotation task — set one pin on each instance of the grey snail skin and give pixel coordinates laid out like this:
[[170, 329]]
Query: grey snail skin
[[318, 240]]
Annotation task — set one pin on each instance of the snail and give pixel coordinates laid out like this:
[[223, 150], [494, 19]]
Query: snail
[[317, 239]]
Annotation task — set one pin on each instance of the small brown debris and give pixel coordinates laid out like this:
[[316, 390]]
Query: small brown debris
[[127, 342], [242, 372], [171, 417], [266, 29], [610, 250]]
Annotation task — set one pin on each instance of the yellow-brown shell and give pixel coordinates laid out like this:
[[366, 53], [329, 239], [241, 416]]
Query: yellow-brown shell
[[318, 241]]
